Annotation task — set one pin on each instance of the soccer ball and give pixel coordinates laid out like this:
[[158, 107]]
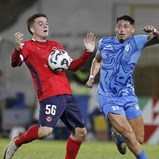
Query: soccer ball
[[59, 60]]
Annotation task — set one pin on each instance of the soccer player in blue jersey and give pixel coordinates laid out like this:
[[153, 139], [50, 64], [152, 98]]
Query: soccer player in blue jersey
[[116, 59]]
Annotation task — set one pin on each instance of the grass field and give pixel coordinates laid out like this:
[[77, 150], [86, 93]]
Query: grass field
[[51, 149]]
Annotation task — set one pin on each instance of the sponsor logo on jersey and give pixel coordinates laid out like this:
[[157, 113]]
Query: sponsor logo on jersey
[[108, 47], [127, 47]]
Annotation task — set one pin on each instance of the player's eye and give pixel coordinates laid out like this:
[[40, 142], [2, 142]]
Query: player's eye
[[40, 24], [46, 23], [119, 26], [126, 27]]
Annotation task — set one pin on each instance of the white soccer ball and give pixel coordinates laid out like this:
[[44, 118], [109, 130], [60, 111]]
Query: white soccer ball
[[59, 60]]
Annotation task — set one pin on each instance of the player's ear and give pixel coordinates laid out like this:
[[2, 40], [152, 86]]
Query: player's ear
[[133, 30], [32, 30]]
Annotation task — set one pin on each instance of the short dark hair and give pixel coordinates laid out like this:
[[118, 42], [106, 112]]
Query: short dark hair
[[31, 19], [126, 18]]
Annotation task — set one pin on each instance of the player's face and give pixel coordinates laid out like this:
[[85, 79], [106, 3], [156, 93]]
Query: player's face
[[40, 29], [124, 30]]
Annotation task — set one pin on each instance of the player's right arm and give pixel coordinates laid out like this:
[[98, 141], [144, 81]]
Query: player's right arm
[[95, 67], [17, 58]]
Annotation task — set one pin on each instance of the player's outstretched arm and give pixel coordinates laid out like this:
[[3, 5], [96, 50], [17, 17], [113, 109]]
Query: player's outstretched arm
[[95, 67], [89, 42]]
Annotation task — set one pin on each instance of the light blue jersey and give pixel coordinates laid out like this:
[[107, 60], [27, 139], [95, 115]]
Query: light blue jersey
[[116, 87], [118, 64]]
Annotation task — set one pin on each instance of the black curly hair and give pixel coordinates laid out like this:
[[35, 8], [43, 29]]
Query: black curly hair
[[126, 18]]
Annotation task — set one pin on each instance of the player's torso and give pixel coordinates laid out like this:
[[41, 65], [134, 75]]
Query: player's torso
[[46, 82], [117, 66], [37, 53]]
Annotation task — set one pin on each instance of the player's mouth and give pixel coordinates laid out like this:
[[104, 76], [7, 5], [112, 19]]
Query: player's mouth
[[45, 31], [122, 35]]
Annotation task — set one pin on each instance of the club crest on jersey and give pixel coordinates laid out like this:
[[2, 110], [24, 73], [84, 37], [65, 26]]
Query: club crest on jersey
[[48, 118], [137, 107], [54, 48], [127, 47]]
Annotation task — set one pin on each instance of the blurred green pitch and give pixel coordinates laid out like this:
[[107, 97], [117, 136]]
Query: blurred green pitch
[[55, 149]]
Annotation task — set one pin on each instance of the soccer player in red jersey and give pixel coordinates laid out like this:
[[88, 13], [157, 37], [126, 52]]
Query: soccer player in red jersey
[[53, 88]]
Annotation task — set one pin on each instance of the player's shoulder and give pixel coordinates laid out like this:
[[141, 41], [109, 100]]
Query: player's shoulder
[[140, 39], [55, 44], [106, 39], [140, 36], [28, 42], [48, 42]]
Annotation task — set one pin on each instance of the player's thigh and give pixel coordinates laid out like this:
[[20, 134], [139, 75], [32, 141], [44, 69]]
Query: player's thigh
[[50, 110], [72, 116], [137, 125], [135, 118], [120, 123]]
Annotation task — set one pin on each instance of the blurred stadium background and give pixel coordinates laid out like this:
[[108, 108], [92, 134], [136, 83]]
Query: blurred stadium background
[[69, 22]]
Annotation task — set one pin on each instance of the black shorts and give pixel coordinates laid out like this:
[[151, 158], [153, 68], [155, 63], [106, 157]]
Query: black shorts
[[62, 107]]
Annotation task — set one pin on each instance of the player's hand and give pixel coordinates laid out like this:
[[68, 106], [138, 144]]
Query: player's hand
[[149, 29], [90, 83], [18, 40], [89, 42]]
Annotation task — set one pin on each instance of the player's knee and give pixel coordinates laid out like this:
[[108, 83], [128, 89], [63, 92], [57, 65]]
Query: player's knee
[[83, 133], [44, 131], [80, 133], [128, 134], [140, 139]]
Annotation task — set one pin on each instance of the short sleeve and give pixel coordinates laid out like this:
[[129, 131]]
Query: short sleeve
[[99, 47], [141, 40]]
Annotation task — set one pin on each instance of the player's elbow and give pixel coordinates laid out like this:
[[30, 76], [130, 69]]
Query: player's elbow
[[14, 64], [73, 68]]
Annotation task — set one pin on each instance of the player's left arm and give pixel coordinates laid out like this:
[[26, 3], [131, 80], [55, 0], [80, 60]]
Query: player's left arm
[[152, 38], [89, 42]]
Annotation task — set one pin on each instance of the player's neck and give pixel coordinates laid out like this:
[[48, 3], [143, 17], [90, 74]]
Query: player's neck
[[121, 40], [39, 39]]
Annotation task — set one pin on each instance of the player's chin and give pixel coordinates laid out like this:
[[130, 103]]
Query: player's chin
[[45, 35], [121, 40]]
